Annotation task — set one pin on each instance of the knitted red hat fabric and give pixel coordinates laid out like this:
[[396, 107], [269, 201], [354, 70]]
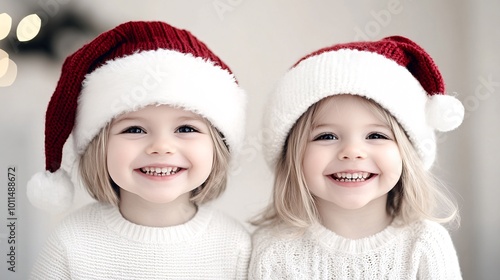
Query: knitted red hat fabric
[[394, 72], [124, 69]]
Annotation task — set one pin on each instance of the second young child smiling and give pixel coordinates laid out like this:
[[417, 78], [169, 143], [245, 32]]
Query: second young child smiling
[[351, 162], [351, 139]]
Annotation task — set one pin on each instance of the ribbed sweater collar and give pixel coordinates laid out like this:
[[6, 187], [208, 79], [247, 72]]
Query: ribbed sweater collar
[[336, 242], [165, 235]]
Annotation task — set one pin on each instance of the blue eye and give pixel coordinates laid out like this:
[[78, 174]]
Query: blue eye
[[134, 129], [326, 136], [186, 129], [377, 135]]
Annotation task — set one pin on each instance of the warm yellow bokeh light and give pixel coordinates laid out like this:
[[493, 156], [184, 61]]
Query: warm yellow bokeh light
[[28, 27], [10, 76], [5, 25], [4, 62]]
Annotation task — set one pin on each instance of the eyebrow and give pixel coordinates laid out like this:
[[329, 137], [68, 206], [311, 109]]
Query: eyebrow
[[124, 119], [323, 125], [191, 118], [180, 118]]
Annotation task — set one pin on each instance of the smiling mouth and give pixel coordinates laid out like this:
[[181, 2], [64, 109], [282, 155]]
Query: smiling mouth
[[352, 177], [160, 171]]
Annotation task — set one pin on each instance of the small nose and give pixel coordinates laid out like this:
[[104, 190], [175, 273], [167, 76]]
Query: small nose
[[351, 151], [161, 144]]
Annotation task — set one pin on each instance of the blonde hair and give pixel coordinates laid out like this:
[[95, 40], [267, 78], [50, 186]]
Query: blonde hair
[[94, 171], [417, 195]]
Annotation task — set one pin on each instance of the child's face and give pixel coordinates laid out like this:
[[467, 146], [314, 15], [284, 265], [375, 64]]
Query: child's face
[[352, 159], [159, 154]]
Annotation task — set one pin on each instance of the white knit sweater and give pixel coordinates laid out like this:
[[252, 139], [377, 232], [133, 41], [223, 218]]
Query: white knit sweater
[[98, 243], [423, 250]]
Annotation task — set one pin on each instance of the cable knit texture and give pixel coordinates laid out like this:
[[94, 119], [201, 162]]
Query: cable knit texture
[[98, 243], [423, 250]]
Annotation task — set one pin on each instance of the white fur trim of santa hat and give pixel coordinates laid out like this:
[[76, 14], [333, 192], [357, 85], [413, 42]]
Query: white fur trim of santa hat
[[160, 77]]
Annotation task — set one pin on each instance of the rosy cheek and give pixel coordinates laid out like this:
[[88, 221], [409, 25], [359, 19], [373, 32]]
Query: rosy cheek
[[396, 165], [116, 152]]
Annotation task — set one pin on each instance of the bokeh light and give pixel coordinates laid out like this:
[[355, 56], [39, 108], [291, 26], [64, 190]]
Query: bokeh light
[[5, 25], [27, 29], [4, 62], [10, 76]]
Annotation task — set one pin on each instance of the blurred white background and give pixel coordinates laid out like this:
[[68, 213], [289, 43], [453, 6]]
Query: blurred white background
[[260, 40]]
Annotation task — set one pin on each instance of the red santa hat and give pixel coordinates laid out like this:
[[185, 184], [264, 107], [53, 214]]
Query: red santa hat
[[122, 70], [394, 72]]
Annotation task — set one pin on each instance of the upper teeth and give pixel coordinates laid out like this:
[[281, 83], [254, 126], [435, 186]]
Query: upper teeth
[[358, 176], [160, 171]]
